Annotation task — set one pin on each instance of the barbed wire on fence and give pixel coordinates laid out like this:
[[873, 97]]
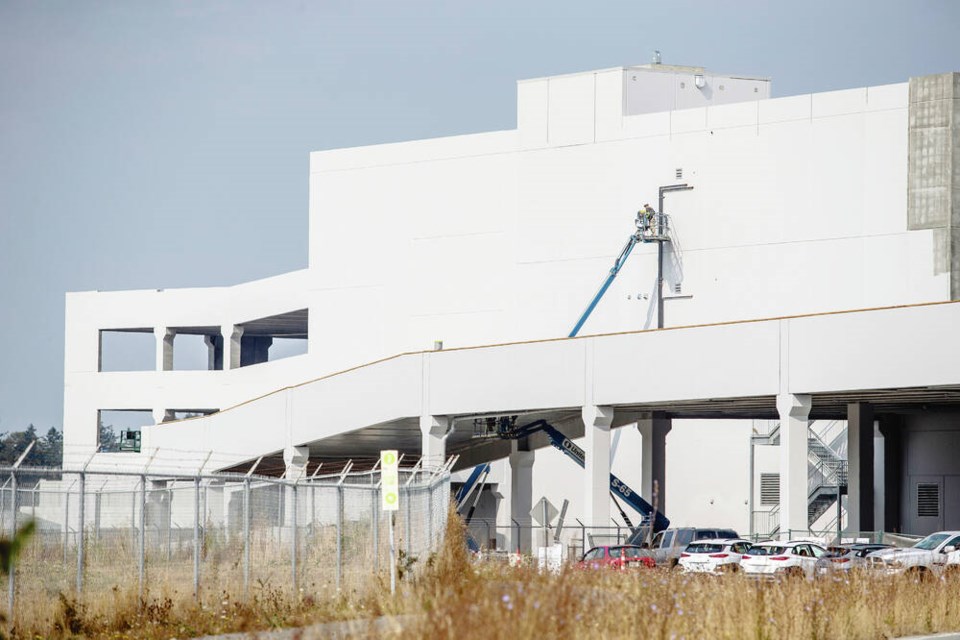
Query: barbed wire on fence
[[212, 533]]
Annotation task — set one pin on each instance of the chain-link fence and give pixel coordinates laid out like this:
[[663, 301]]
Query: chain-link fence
[[574, 537], [99, 533]]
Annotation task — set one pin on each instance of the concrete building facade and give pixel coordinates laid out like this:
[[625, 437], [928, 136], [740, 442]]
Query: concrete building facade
[[801, 205]]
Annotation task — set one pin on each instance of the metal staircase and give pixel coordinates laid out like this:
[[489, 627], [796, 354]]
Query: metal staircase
[[826, 472]]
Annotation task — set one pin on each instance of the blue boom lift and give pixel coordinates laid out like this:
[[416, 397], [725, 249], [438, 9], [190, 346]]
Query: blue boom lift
[[651, 226]]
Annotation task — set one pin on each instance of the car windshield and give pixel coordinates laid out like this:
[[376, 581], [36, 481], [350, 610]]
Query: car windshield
[[931, 542], [704, 547], [837, 552], [765, 551], [627, 552]]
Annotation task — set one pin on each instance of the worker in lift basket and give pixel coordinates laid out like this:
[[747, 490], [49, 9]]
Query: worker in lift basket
[[647, 216]]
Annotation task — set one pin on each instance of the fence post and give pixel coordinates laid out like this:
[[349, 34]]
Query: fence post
[[196, 537], [376, 532], [429, 519], [313, 513], [66, 522], [168, 516], [293, 539], [133, 516], [141, 561], [80, 533], [339, 535], [246, 537], [406, 489], [13, 532], [97, 499]]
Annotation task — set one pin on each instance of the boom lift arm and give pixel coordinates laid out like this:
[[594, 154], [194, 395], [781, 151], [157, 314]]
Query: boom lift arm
[[651, 227], [566, 446]]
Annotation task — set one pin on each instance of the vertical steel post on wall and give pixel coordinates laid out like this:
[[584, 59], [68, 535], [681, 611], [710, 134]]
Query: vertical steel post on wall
[[663, 190], [339, 535], [141, 561], [12, 576], [293, 539], [246, 537], [80, 533], [196, 538]]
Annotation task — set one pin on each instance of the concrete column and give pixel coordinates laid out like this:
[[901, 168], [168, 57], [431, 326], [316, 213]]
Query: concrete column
[[164, 336], [433, 440], [794, 423], [295, 460], [161, 416], [214, 352], [891, 429], [232, 337], [516, 499], [860, 475], [653, 459], [596, 451]]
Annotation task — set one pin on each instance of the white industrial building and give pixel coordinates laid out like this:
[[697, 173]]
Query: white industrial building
[[807, 276]]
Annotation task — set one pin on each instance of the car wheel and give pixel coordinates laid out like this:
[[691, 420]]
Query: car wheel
[[919, 574]]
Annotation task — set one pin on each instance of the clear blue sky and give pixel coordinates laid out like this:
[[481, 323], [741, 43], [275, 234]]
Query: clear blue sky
[[148, 144]]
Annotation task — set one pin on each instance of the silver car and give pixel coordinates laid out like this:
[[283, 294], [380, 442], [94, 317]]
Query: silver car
[[845, 557]]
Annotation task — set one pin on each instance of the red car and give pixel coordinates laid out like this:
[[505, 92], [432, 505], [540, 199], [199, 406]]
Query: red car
[[625, 556]]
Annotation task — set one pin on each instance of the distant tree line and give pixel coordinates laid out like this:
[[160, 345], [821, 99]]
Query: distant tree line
[[48, 452]]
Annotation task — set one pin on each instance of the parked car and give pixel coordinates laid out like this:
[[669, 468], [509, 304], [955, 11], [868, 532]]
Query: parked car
[[846, 557], [668, 544], [616, 557], [932, 555], [792, 558], [713, 556]]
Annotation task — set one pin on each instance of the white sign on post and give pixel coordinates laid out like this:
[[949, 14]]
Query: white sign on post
[[389, 480]]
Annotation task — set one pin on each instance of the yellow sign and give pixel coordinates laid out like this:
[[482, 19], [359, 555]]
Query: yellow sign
[[390, 480]]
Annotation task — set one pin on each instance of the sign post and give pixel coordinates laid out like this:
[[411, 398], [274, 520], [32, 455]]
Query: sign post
[[390, 503]]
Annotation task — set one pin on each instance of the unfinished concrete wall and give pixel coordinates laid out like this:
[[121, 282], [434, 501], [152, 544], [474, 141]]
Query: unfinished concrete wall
[[933, 188]]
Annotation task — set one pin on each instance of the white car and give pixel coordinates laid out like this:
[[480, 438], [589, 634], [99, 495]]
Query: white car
[[793, 558], [934, 554], [713, 556]]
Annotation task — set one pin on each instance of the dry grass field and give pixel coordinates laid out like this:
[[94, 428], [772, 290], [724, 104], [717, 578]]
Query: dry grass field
[[448, 596]]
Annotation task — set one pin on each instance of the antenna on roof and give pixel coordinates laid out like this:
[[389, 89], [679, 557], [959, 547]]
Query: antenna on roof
[[656, 56]]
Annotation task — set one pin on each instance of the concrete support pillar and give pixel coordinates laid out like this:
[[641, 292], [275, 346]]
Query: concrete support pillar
[[516, 499], [794, 423], [891, 429], [232, 338], [164, 336], [860, 476], [161, 416], [433, 440], [214, 352], [295, 460], [596, 451], [653, 460]]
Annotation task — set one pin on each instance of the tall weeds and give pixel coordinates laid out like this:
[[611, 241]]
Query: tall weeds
[[449, 595]]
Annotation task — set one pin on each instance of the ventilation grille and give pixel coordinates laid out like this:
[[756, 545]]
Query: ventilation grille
[[678, 288], [769, 489], [679, 173], [928, 500]]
